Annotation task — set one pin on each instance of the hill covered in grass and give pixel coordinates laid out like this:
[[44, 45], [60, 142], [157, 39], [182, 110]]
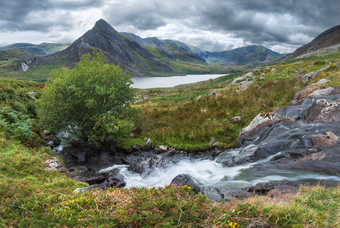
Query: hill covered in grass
[[33, 196], [37, 49]]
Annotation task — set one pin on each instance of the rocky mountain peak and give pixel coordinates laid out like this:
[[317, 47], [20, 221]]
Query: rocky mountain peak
[[102, 25]]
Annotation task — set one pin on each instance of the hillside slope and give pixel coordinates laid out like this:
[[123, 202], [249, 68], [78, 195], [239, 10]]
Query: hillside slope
[[326, 39], [249, 56], [121, 50], [37, 49]]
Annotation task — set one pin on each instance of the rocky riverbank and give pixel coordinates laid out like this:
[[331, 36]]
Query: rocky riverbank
[[276, 153]]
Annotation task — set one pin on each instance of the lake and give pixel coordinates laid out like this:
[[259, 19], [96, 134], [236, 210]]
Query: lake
[[163, 82]]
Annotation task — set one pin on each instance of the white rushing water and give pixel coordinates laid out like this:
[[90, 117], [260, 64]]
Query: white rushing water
[[210, 173], [163, 82]]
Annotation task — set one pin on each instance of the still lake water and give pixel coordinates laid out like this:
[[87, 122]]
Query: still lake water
[[163, 82]]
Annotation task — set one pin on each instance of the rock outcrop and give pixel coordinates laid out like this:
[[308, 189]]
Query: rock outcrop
[[304, 135]]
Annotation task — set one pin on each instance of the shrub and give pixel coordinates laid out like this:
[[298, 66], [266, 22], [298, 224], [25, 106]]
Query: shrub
[[91, 101]]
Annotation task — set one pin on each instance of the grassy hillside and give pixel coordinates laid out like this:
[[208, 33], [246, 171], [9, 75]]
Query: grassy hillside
[[189, 116], [33, 197], [36, 49]]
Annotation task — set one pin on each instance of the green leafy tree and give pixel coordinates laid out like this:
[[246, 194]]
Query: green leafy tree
[[91, 101]]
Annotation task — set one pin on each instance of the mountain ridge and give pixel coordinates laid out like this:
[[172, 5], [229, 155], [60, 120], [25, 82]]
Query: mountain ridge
[[323, 40], [143, 56], [252, 55]]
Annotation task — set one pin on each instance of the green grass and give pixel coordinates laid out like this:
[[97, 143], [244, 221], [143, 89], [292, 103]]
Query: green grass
[[33, 197], [175, 117], [181, 120]]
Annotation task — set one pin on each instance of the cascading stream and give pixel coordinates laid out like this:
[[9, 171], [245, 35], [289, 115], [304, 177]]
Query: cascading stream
[[211, 173]]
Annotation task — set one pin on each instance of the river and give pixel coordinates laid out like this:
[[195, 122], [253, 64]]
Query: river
[[163, 82]]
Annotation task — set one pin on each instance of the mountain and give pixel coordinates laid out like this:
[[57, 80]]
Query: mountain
[[137, 56], [37, 49], [328, 40], [124, 51], [249, 56], [173, 49]]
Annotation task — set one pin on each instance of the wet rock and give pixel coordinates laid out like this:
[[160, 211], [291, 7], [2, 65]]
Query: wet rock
[[326, 139], [227, 157], [255, 127], [275, 189], [101, 180], [297, 63], [54, 165], [326, 161], [113, 179], [247, 154], [144, 161], [81, 156], [184, 179], [324, 110], [89, 177]]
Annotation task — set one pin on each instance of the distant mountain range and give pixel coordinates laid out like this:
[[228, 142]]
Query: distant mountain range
[[138, 56], [250, 56], [143, 56], [37, 49]]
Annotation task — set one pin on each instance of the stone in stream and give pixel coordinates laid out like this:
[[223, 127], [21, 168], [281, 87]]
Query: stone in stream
[[101, 180], [184, 179]]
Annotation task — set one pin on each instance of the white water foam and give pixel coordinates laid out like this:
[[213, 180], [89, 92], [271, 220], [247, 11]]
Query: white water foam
[[210, 173]]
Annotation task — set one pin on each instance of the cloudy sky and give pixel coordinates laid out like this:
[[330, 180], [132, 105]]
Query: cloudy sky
[[215, 25]]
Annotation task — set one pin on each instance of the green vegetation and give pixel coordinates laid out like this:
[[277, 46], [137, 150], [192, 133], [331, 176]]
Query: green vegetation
[[18, 110], [37, 49], [30, 196], [33, 197], [91, 101], [188, 117]]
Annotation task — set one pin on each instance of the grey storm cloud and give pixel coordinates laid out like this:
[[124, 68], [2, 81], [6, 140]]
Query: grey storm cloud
[[289, 23], [15, 14], [266, 21], [256, 21]]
